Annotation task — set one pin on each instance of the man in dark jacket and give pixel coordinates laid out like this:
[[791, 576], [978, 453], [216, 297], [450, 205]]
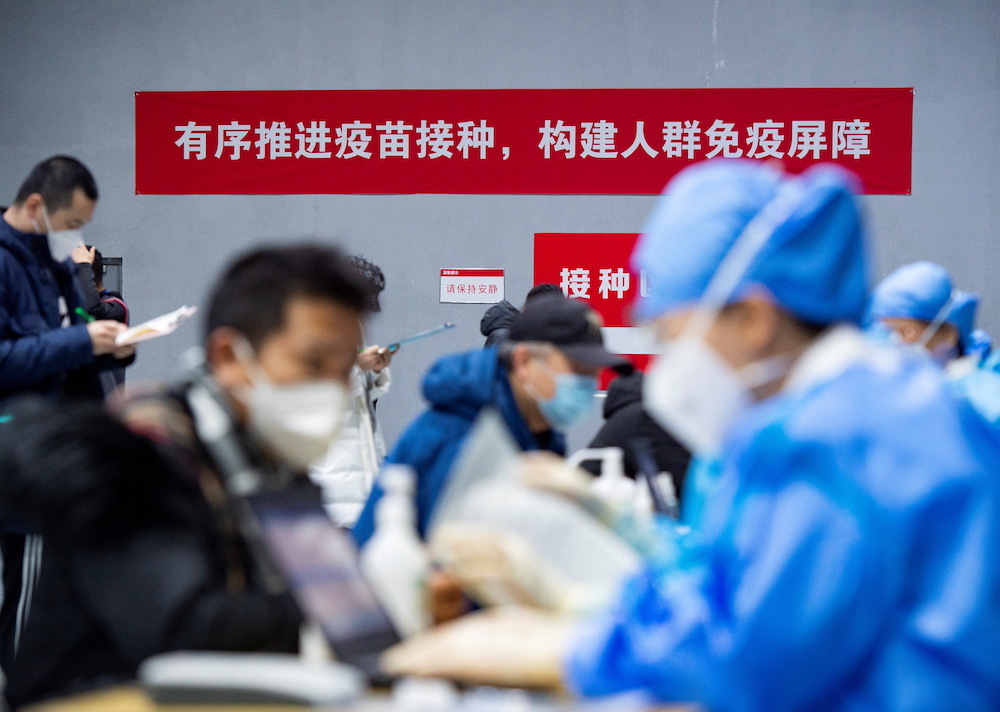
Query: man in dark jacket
[[541, 380], [46, 346], [99, 302], [627, 421], [495, 324], [148, 548]]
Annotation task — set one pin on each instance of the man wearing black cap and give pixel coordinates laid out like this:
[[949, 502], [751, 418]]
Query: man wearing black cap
[[542, 380]]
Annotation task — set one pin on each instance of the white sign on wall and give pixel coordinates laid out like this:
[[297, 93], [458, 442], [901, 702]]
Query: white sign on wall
[[471, 286]]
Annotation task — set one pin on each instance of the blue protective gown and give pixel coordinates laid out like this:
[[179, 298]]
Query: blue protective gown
[[978, 382], [848, 558]]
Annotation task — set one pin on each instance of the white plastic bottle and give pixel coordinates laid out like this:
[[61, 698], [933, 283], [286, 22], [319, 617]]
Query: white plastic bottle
[[611, 485], [395, 561]]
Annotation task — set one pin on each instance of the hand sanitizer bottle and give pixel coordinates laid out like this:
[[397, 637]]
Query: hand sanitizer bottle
[[395, 561], [611, 485]]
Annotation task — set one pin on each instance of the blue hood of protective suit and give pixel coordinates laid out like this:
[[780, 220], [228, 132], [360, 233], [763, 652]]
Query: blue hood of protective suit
[[812, 258], [919, 291]]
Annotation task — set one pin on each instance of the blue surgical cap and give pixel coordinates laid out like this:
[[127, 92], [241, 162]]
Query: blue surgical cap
[[813, 261], [920, 291]]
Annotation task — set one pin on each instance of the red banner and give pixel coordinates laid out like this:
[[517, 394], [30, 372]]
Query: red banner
[[512, 141]]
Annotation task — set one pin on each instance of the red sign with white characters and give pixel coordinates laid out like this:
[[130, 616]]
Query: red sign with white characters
[[595, 267], [513, 141]]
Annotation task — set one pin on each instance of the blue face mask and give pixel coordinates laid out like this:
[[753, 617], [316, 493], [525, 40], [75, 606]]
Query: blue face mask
[[573, 399]]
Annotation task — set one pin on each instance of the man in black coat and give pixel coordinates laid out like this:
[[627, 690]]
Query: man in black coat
[[627, 421], [147, 546]]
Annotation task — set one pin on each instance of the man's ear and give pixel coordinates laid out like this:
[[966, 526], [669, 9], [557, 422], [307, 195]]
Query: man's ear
[[520, 355], [32, 207], [222, 355]]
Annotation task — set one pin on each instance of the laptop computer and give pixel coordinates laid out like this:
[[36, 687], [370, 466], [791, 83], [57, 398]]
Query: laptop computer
[[319, 562]]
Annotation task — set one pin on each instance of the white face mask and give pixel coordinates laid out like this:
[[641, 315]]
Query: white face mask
[[298, 422], [693, 393], [61, 242], [691, 390]]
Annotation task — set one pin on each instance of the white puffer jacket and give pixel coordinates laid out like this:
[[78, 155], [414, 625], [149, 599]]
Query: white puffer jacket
[[348, 470]]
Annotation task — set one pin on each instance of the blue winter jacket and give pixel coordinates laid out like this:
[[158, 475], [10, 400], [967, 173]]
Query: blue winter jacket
[[35, 352], [457, 387]]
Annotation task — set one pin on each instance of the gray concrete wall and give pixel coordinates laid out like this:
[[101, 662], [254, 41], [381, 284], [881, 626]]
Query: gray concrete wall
[[70, 69]]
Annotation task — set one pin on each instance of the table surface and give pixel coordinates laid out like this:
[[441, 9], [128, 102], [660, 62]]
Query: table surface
[[125, 699], [133, 699]]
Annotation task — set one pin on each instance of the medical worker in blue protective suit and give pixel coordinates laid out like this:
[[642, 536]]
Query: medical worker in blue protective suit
[[849, 558], [849, 549], [918, 305]]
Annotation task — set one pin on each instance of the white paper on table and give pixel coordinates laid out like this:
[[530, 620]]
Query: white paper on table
[[156, 327], [483, 488]]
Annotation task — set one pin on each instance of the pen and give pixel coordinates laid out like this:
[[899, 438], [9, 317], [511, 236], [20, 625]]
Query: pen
[[394, 346], [83, 313]]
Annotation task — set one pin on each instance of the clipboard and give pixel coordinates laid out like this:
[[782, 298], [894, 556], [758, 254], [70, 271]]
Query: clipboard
[[156, 327]]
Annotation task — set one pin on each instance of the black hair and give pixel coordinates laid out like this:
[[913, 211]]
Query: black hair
[[542, 289], [56, 179], [98, 266], [373, 279], [253, 292]]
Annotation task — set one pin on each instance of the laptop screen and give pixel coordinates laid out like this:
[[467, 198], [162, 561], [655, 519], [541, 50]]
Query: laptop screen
[[320, 564]]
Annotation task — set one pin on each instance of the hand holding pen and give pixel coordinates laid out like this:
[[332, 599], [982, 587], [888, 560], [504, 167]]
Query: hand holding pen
[[375, 358], [103, 333]]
